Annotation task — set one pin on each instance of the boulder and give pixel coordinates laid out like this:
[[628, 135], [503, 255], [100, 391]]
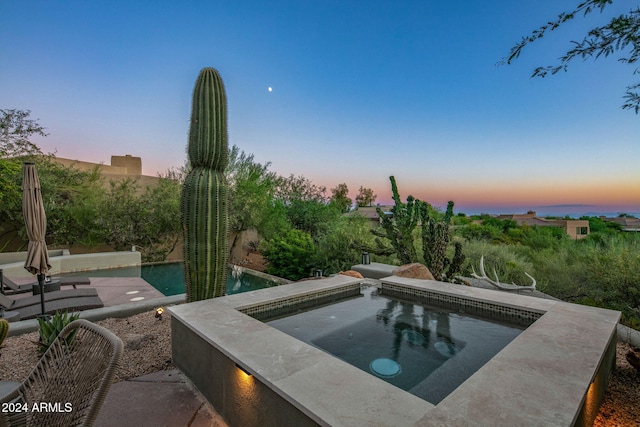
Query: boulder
[[413, 271], [352, 273]]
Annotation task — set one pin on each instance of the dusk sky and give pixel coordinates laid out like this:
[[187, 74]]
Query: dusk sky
[[361, 90]]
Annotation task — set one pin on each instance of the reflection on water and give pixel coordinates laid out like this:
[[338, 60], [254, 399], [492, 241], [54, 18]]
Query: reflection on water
[[168, 278], [425, 350], [413, 325]]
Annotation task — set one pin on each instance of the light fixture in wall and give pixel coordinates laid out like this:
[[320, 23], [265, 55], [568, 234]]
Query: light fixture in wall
[[243, 370]]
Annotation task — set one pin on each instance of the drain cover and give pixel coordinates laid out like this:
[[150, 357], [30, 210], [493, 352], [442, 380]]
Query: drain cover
[[385, 368]]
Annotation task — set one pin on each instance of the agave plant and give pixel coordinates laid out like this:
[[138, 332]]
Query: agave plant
[[51, 327]]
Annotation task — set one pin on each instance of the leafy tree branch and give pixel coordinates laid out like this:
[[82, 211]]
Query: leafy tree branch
[[620, 35]]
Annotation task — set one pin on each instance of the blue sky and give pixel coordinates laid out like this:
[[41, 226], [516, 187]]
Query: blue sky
[[361, 91]]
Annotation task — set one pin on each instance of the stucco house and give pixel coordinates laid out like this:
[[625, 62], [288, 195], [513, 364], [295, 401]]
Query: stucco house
[[575, 228], [626, 224], [370, 213]]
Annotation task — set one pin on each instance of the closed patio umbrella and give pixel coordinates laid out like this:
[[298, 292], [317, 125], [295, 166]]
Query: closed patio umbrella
[[36, 223]]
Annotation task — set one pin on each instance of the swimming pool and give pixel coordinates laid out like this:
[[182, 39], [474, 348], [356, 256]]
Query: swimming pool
[[401, 342], [168, 278]]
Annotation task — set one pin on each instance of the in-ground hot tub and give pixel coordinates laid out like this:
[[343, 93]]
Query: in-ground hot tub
[[426, 350], [554, 373]]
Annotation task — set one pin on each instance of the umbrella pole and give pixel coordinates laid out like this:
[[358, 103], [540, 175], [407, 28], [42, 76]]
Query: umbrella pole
[[41, 284]]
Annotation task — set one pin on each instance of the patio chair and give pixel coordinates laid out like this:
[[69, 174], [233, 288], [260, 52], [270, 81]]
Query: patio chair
[[71, 378], [9, 287], [68, 299]]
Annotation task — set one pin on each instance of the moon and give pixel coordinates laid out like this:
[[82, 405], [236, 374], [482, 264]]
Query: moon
[[269, 89]]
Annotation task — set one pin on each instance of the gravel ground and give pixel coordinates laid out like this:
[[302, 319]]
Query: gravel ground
[[147, 343]]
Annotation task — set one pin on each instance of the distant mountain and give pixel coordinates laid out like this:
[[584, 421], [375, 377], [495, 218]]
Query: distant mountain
[[561, 210], [578, 210]]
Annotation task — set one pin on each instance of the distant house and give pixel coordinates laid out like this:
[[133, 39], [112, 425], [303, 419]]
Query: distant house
[[121, 168], [370, 213], [575, 228], [626, 224]]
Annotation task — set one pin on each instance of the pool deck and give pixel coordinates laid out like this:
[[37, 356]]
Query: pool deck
[[112, 291], [164, 398]]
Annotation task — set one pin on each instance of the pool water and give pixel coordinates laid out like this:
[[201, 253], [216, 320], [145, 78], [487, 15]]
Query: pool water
[[168, 278], [425, 350]]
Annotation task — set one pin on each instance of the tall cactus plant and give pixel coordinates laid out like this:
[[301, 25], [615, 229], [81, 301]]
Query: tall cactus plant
[[204, 194], [435, 239], [398, 230]]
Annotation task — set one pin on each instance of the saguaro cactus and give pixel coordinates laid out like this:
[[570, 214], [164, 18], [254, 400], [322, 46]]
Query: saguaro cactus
[[204, 194]]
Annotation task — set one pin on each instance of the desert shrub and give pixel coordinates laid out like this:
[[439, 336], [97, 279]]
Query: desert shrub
[[290, 255], [538, 238], [509, 266], [611, 268], [335, 246], [603, 271], [597, 225], [489, 233], [557, 271]]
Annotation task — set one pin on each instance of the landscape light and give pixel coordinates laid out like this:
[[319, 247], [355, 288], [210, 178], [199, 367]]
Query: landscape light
[[243, 370], [365, 258], [159, 312]]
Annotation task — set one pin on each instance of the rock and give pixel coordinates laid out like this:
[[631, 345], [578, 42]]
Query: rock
[[413, 271], [137, 341], [352, 273], [633, 359]]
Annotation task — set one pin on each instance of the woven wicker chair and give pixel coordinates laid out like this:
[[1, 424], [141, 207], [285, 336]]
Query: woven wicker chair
[[71, 379]]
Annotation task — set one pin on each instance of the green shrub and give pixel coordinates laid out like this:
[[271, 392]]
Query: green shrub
[[291, 255], [509, 266], [611, 268], [490, 233], [337, 245], [50, 328], [538, 238]]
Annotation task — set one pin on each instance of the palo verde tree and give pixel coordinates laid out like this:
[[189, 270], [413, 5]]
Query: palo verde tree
[[204, 194], [251, 189], [16, 131], [398, 230], [365, 197], [340, 198], [620, 35]]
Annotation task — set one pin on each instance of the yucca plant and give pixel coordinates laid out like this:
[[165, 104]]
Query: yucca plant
[[204, 194], [50, 328]]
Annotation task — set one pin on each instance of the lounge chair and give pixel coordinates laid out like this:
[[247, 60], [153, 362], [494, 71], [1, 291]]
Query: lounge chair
[[9, 287], [74, 376], [68, 299]]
